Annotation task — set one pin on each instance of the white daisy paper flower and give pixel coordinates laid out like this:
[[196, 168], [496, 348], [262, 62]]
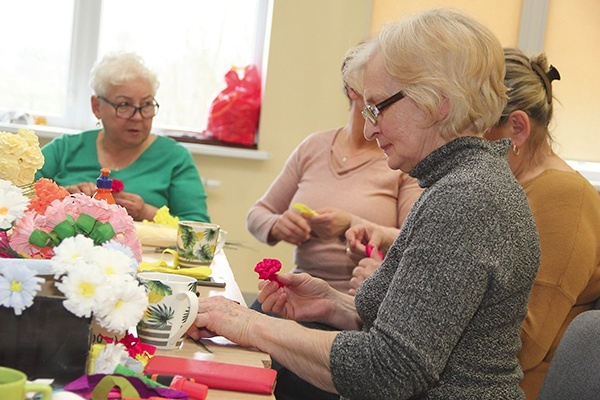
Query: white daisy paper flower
[[134, 265], [122, 305], [12, 204], [72, 253], [111, 262], [18, 287], [81, 287]]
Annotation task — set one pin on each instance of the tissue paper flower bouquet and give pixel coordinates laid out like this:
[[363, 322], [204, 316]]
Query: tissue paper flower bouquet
[[85, 250]]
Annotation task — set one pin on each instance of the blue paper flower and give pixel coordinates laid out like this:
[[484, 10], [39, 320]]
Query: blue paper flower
[[18, 287]]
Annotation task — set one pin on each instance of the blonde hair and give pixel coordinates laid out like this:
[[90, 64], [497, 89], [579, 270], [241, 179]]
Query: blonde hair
[[528, 93], [442, 54], [118, 68], [526, 88]]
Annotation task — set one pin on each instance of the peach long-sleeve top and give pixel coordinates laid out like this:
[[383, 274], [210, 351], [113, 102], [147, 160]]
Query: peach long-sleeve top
[[369, 191]]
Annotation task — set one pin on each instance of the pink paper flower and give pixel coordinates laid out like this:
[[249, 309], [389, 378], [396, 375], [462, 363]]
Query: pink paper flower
[[267, 269], [73, 206]]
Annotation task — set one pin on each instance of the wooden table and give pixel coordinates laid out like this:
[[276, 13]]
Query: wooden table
[[219, 349]]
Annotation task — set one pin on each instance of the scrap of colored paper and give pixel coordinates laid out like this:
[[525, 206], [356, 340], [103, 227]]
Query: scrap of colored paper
[[304, 209], [369, 249]]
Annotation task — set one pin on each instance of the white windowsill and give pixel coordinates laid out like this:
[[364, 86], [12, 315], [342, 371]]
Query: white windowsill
[[591, 170], [50, 132]]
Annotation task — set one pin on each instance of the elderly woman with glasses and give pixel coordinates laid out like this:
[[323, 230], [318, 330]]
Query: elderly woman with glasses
[[156, 171], [440, 319]]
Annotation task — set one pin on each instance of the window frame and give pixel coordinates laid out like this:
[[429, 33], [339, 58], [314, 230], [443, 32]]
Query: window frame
[[85, 38]]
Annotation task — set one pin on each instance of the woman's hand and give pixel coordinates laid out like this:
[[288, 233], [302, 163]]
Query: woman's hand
[[363, 270], [363, 234], [220, 316], [330, 222], [291, 228], [302, 297], [88, 188], [135, 205]]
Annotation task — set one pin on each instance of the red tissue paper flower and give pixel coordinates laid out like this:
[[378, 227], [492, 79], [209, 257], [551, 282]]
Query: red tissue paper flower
[[117, 185], [133, 345], [268, 269]]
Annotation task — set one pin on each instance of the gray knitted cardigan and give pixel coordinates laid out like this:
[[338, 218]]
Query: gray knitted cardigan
[[442, 314]]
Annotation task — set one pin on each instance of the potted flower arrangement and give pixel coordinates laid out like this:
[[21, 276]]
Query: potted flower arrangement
[[86, 248]]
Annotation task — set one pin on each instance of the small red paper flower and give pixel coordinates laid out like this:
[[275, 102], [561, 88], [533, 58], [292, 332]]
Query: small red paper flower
[[117, 185], [268, 269], [133, 345]]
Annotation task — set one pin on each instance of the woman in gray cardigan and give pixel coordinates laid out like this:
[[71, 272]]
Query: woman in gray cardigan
[[440, 319]]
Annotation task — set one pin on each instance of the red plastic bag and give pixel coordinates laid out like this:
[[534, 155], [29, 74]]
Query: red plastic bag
[[234, 113]]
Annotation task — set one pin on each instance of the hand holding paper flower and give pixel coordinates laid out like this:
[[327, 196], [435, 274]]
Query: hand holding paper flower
[[268, 269]]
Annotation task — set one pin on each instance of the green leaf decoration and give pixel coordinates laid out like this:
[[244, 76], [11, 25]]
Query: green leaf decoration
[[204, 253], [142, 325], [211, 233], [192, 287], [186, 253], [158, 316], [159, 288], [188, 236]]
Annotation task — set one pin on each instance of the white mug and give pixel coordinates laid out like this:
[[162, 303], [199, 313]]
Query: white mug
[[172, 308]]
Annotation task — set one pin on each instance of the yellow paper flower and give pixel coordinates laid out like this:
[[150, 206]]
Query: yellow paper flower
[[163, 217], [20, 156]]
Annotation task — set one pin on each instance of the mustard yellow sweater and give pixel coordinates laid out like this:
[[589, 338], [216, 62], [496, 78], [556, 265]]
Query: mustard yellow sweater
[[566, 209]]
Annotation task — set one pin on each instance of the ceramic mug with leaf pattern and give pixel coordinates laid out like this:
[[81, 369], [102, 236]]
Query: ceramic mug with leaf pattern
[[197, 243], [172, 308]]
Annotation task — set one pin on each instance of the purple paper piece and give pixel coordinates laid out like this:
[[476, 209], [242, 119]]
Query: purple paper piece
[[87, 383]]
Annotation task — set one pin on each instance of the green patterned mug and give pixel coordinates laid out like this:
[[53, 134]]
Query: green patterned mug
[[197, 243]]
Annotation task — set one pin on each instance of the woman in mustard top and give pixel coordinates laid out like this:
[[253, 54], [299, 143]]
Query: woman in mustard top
[[566, 209]]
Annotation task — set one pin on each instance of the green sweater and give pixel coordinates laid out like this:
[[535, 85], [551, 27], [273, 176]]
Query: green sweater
[[165, 174]]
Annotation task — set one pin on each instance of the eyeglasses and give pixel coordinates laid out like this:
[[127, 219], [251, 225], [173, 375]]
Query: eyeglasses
[[372, 112], [127, 111]]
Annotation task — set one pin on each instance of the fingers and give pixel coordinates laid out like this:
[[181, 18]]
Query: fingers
[[85, 187], [374, 252], [266, 289], [292, 228]]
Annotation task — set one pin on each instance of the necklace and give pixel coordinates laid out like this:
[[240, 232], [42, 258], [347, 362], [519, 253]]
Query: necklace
[[344, 156]]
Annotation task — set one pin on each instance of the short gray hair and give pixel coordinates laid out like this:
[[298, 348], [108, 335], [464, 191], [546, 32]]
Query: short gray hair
[[119, 68]]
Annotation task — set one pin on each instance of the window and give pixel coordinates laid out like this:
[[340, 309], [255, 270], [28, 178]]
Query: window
[[191, 44]]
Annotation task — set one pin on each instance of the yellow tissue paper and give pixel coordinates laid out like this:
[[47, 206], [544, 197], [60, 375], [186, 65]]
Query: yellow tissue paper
[[162, 266], [304, 209]]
